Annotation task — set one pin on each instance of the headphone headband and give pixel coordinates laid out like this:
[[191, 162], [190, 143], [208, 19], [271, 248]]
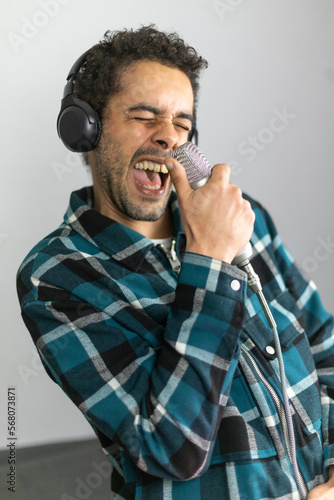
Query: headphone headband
[[73, 73]]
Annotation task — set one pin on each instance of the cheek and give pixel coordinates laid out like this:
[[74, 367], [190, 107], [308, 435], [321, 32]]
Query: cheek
[[138, 133], [132, 137]]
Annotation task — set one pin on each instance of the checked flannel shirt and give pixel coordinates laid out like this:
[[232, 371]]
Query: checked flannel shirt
[[173, 370]]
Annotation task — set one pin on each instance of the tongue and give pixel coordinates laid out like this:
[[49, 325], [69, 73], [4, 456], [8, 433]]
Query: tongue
[[147, 177]]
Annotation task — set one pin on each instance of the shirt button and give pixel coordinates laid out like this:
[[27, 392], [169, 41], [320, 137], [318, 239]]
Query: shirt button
[[235, 285], [270, 350]]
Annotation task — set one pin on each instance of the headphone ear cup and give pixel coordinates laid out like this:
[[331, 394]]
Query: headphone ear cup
[[193, 136], [78, 125]]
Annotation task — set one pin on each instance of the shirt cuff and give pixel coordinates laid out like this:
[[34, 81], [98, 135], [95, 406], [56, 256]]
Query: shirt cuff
[[213, 275]]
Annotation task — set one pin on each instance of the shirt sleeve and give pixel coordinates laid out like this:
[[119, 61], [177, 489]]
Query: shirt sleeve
[[318, 325], [161, 404]]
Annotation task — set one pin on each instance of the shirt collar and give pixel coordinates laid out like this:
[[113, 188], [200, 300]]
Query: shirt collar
[[111, 237]]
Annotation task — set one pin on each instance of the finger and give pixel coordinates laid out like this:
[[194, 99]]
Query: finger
[[221, 173], [178, 175]]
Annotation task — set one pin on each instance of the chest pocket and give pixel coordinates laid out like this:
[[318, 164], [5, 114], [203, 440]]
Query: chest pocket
[[300, 370], [250, 427]]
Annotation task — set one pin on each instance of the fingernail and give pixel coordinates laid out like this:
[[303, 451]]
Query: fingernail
[[169, 164]]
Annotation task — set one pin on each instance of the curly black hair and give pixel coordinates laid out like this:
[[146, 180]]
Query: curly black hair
[[100, 76]]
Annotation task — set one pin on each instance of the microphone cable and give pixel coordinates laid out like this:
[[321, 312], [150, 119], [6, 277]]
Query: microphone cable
[[242, 261]]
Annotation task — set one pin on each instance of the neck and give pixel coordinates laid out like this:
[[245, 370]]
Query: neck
[[161, 228]]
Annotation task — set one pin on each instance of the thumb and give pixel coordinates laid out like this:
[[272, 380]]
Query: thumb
[[178, 175]]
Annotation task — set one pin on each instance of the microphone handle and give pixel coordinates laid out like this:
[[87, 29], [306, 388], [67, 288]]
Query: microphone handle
[[242, 258]]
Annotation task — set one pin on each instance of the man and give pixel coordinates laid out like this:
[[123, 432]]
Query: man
[[176, 369]]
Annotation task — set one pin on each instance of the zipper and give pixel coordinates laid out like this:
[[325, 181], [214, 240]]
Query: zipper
[[280, 408], [171, 256]]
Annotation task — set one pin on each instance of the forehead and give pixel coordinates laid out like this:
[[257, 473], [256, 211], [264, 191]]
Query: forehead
[[150, 81]]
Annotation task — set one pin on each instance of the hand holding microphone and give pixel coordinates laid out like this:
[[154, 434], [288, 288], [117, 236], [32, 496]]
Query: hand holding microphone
[[217, 221]]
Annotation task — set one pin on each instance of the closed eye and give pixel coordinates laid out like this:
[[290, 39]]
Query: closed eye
[[184, 127], [151, 120], [144, 119]]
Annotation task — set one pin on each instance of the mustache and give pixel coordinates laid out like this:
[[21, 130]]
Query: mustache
[[150, 152]]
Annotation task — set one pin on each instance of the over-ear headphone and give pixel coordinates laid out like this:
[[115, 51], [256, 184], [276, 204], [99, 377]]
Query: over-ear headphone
[[78, 124]]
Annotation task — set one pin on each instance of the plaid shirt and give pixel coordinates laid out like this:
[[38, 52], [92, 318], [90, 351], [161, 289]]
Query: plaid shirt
[[175, 371]]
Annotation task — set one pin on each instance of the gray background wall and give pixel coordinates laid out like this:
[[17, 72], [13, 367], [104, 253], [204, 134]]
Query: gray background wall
[[268, 59]]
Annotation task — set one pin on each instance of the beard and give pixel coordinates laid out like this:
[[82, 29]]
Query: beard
[[112, 167]]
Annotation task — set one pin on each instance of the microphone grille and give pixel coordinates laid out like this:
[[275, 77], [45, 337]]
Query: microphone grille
[[197, 167]]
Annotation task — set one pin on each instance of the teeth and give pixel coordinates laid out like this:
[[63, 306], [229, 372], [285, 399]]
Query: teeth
[[152, 188], [149, 165]]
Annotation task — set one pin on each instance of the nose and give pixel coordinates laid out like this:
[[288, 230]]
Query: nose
[[165, 136]]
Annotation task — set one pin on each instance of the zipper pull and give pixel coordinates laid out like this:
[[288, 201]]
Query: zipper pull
[[172, 257]]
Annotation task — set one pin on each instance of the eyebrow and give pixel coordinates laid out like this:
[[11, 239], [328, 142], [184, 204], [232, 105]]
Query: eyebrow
[[157, 111]]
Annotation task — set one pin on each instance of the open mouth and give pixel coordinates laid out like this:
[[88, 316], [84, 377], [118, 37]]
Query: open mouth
[[150, 175]]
